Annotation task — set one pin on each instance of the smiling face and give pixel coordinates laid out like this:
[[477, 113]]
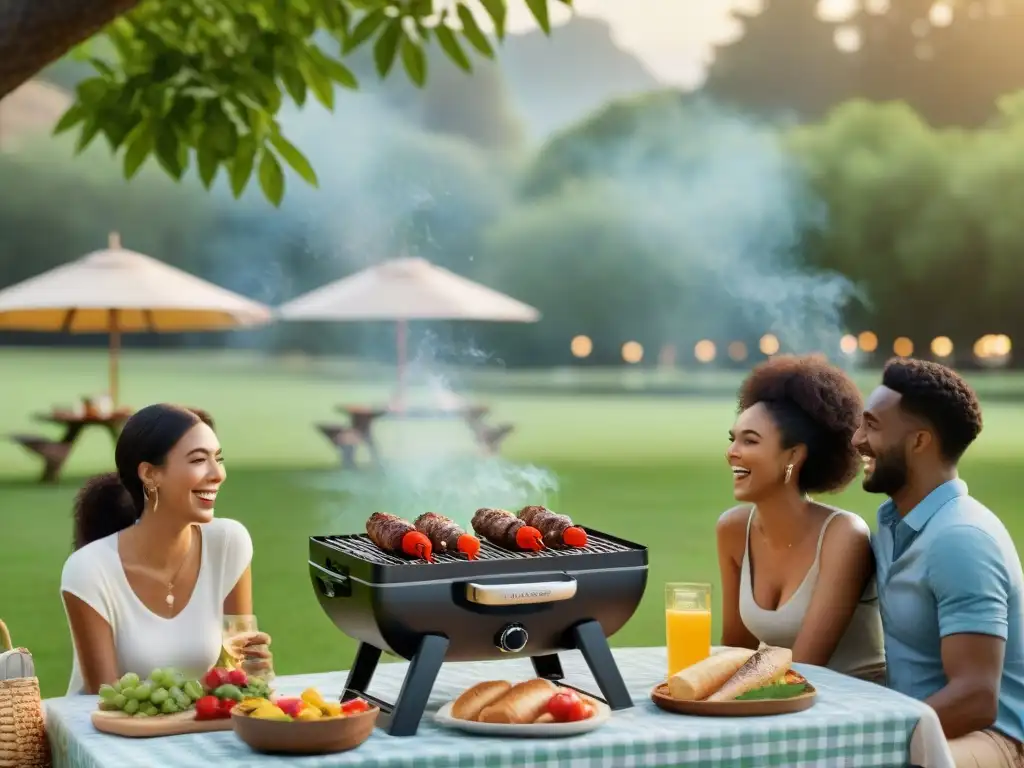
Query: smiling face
[[756, 455], [190, 477], [882, 441]]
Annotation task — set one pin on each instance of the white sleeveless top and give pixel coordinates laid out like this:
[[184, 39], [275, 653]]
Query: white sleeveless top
[[144, 641], [861, 649]]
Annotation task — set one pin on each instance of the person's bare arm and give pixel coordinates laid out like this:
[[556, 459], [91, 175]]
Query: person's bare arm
[[969, 577], [731, 533], [970, 699], [844, 569], [94, 643], [239, 599]]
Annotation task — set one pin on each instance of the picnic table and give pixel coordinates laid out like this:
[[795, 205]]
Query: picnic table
[[359, 430], [55, 453], [853, 723]]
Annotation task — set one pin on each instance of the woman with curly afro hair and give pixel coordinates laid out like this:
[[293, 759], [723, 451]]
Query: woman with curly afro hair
[[797, 573]]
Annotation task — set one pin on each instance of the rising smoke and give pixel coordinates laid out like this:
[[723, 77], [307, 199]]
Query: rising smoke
[[710, 197]]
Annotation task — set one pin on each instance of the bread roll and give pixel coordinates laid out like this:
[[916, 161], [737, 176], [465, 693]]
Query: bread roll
[[700, 680], [469, 705], [521, 704]]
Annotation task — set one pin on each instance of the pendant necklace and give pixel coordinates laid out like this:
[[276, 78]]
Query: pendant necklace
[[170, 585]]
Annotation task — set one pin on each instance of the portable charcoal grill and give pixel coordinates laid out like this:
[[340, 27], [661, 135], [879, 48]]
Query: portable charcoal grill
[[505, 602]]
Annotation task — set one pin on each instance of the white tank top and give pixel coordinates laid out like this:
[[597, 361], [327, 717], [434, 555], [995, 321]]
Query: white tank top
[[143, 641], [861, 649]]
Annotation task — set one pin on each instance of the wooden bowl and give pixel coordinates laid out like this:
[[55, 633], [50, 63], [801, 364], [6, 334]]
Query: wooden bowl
[[305, 737]]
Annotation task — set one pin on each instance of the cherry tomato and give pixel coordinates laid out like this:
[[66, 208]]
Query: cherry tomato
[[238, 678], [226, 705], [564, 705]]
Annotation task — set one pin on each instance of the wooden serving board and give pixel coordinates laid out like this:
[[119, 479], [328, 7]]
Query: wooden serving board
[[120, 724], [753, 708]]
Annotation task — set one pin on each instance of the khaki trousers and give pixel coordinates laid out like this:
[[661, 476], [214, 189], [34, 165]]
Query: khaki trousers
[[986, 749]]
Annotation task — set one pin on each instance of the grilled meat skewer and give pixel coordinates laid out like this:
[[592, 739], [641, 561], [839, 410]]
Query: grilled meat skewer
[[558, 530], [506, 530], [398, 537], [446, 536]]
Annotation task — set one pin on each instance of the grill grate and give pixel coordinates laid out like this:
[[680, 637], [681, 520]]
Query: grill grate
[[360, 546]]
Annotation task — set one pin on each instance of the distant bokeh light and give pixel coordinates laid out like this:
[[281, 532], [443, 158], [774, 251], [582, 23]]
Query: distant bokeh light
[[632, 352], [942, 346], [769, 345], [704, 351], [737, 351], [581, 346], [903, 347], [848, 344], [868, 341]]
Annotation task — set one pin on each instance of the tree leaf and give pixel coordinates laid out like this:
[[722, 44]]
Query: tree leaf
[[364, 30], [271, 177], [169, 151], [207, 160], [91, 90], [450, 45], [241, 166], [415, 61], [294, 84], [291, 155], [338, 72], [89, 130], [471, 30], [386, 47], [139, 144], [72, 117], [318, 80], [539, 9], [497, 10]]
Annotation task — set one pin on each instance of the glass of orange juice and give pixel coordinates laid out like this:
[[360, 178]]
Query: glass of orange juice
[[687, 624]]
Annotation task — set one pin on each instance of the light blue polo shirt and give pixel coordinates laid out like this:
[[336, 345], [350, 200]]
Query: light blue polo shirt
[[949, 567]]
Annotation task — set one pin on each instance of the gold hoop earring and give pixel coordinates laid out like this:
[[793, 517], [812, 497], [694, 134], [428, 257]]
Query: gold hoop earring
[[789, 472]]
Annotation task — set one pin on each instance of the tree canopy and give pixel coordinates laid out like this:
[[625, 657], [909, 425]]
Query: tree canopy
[[203, 82]]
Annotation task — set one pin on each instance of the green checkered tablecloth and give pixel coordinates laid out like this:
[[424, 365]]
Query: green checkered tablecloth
[[852, 724]]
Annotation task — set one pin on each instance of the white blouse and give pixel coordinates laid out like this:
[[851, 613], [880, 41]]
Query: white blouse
[[144, 641]]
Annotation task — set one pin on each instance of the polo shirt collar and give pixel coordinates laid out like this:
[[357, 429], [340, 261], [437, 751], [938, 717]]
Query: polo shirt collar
[[919, 516]]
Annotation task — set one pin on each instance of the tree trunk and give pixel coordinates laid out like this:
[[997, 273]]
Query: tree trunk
[[35, 33]]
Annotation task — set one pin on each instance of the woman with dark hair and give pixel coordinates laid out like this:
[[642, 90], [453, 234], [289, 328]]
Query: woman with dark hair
[[153, 572], [797, 573]]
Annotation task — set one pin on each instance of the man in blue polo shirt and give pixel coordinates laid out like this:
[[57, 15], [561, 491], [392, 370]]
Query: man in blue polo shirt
[[950, 585]]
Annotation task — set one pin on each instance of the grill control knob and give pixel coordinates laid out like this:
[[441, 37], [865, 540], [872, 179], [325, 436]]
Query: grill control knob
[[512, 638]]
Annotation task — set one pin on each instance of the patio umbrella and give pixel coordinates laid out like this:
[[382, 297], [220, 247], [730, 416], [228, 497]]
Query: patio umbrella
[[402, 290], [116, 291]]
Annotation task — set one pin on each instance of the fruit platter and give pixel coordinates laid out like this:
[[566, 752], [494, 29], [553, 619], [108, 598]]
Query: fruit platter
[[166, 704]]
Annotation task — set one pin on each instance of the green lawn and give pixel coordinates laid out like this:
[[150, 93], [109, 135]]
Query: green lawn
[[649, 469]]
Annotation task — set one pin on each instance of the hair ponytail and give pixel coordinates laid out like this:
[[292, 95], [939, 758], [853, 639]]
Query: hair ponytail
[[102, 507]]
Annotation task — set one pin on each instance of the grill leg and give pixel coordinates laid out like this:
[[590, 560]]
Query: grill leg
[[403, 717], [548, 667], [592, 643], [361, 674]]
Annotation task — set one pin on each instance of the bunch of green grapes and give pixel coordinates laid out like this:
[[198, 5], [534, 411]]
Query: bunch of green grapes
[[164, 692]]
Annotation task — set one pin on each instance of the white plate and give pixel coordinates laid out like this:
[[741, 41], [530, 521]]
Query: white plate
[[601, 715]]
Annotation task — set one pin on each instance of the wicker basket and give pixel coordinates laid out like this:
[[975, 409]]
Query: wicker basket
[[22, 729]]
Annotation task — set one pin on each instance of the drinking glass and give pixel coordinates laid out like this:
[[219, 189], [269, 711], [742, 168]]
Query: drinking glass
[[687, 624], [256, 659]]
